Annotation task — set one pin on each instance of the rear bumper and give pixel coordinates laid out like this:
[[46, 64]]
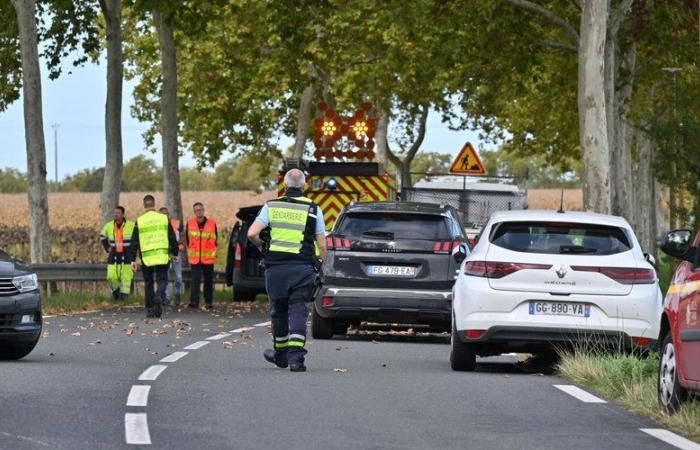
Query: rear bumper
[[12, 309], [386, 305]]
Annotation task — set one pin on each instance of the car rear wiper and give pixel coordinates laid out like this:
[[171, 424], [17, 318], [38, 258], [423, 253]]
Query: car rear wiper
[[577, 249], [378, 233]]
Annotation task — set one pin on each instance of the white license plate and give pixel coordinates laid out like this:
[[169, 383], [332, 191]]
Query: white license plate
[[559, 309], [391, 271]]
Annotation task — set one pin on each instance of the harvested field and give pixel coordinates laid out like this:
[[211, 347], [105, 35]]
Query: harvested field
[[550, 199]]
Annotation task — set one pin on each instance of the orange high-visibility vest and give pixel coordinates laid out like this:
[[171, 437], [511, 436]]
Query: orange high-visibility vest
[[119, 238], [201, 244]]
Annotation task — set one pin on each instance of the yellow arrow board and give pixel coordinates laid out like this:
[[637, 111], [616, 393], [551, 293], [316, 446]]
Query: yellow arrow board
[[467, 162]]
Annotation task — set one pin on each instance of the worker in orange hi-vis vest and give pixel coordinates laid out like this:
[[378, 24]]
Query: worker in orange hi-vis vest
[[202, 238], [175, 272]]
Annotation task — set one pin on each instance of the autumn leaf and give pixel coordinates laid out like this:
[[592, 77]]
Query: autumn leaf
[[338, 370]]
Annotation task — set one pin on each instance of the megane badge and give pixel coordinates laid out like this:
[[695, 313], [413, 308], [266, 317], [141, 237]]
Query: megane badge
[[561, 271]]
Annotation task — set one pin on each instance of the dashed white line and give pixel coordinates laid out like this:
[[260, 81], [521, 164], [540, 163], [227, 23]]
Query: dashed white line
[[241, 330], [136, 429], [173, 357], [264, 324], [218, 336], [671, 438], [579, 393], [152, 373], [197, 345], [138, 396]]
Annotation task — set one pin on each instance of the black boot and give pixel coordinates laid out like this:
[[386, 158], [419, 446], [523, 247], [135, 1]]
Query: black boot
[[297, 367], [158, 310], [272, 357]]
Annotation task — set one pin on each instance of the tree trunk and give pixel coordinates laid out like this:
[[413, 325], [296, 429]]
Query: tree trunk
[[304, 120], [380, 137], [168, 114], [645, 206], [406, 178], [592, 106], [111, 184], [39, 231]]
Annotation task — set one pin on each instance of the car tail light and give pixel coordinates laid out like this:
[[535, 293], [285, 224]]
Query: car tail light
[[336, 243], [641, 341], [445, 246], [493, 269], [326, 301], [474, 334], [237, 257], [623, 275], [329, 243]]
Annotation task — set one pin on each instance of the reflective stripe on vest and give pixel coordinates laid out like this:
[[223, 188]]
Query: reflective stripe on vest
[[201, 244], [153, 238], [287, 224], [109, 231]]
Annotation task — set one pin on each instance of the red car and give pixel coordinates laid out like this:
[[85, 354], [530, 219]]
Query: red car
[[679, 366]]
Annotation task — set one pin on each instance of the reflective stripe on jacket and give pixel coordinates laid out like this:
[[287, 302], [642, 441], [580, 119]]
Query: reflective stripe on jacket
[[117, 239], [153, 238], [289, 222], [201, 244]]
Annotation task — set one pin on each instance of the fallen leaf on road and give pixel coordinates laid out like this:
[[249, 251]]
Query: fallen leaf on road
[[506, 375], [77, 333], [383, 365], [337, 370], [95, 342], [337, 349], [51, 354]]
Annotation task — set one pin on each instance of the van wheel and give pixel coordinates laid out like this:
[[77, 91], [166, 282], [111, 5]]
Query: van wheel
[[462, 356], [18, 351], [320, 328], [670, 393]]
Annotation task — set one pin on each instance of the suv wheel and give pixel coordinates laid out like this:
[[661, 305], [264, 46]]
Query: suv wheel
[[670, 393], [18, 351], [462, 356], [320, 328]]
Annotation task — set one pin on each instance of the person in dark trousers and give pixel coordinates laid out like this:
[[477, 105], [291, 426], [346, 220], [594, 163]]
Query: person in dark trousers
[[175, 273], [202, 237], [297, 238], [155, 240]]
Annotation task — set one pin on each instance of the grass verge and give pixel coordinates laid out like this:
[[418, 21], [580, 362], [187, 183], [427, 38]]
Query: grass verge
[[631, 382]]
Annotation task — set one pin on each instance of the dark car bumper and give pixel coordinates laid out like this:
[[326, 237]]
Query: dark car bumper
[[12, 311], [429, 307]]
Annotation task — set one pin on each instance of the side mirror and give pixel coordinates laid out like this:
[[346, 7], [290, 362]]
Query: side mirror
[[650, 259], [460, 254], [677, 244]]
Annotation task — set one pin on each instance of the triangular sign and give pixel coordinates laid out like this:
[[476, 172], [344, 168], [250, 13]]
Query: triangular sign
[[468, 162]]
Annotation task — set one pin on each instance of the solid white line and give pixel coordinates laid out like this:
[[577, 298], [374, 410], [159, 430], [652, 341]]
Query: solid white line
[[264, 324], [173, 357], [136, 429], [152, 373], [218, 336], [241, 330], [579, 393], [138, 396], [671, 438], [197, 345]]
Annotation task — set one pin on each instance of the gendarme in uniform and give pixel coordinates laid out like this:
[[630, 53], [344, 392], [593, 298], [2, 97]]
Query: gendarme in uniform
[[295, 222]]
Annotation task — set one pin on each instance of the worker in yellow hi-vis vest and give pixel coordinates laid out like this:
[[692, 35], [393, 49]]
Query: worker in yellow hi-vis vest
[[116, 240], [155, 240]]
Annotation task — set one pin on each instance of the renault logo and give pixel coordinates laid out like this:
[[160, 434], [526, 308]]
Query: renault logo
[[561, 271]]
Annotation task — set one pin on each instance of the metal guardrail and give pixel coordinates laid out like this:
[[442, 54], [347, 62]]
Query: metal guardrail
[[52, 274]]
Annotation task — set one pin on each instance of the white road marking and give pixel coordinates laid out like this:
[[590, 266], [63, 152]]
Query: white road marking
[[197, 345], [218, 336], [174, 357], [19, 437], [138, 396], [152, 373], [264, 324], [241, 330], [579, 393], [136, 429], [671, 438]]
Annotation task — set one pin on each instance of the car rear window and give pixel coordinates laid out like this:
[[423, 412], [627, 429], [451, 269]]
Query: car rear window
[[561, 238], [395, 225]]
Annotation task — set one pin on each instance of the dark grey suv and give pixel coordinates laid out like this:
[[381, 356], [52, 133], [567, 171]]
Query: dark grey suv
[[20, 309], [388, 262]]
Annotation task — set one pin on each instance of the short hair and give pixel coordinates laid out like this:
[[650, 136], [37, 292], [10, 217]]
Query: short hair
[[163, 209], [149, 201], [120, 208], [295, 178], [197, 204]]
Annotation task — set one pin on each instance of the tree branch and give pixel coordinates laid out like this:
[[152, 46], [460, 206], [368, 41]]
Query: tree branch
[[550, 16], [425, 108], [577, 3], [559, 46], [618, 16]]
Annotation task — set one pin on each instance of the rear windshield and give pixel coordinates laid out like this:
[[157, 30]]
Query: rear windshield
[[389, 225], [560, 238]]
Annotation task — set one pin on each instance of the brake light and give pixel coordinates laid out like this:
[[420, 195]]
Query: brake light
[[445, 246], [474, 334], [472, 242], [493, 269], [329, 243], [237, 257], [623, 275], [641, 341], [336, 243], [326, 301]]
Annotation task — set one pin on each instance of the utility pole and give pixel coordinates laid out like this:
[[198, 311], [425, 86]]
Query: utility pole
[[55, 155]]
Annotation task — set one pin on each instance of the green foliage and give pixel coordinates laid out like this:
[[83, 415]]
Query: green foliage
[[142, 174], [86, 180], [12, 181], [508, 161]]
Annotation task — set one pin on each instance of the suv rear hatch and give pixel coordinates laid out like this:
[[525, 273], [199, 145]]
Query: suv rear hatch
[[562, 258], [394, 249]]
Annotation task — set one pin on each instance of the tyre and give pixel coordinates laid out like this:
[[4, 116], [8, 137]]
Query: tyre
[[320, 328], [18, 351], [340, 327], [462, 356], [670, 393], [243, 295]]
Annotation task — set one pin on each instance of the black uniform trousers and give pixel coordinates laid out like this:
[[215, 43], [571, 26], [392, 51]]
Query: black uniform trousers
[[159, 274], [199, 270]]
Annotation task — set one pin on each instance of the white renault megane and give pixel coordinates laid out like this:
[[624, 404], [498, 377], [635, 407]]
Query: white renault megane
[[539, 279]]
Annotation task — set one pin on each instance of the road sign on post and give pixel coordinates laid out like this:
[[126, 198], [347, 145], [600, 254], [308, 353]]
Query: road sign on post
[[467, 162]]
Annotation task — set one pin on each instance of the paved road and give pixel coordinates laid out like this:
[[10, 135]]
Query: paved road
[[359, 392]]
